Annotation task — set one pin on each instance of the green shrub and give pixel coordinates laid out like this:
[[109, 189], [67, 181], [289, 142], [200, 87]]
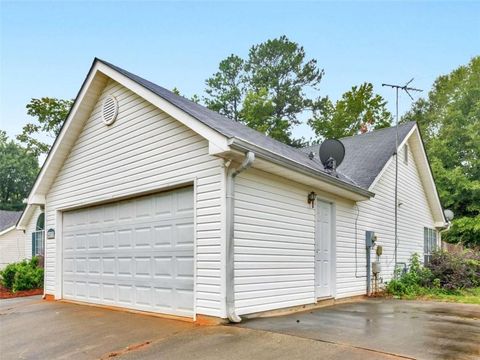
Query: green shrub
[[8, 275], [446, 273], [412, 282], [24, 275], [28, 277]]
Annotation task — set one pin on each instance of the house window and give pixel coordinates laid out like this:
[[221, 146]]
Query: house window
[[405, 154], [429, 244], [41, 222], [38, 237]]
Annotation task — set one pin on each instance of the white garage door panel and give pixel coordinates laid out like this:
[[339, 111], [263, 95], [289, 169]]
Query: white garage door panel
[[136, 253]]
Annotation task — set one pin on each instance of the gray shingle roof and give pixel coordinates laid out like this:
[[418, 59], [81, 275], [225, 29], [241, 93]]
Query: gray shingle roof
[[8, 218], [226, 126], [367, 154]]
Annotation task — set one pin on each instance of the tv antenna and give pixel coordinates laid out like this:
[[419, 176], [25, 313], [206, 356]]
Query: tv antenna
[[407, 89]]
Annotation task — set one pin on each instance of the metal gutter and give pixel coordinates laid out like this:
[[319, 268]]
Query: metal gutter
[[4, 231], [242, 145]]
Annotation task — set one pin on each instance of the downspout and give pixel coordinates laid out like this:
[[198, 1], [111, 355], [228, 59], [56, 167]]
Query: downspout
[[369, 270], [230, 265], [440, 232]]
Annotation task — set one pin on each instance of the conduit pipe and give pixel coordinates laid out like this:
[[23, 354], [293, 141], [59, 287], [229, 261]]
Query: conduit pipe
[[230, 266]]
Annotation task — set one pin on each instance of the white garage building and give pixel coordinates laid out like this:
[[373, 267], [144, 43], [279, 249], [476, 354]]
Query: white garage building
[[155, 203]]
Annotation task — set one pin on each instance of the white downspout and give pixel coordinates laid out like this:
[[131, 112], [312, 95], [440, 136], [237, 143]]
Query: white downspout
[[440, 232], [230, 275]]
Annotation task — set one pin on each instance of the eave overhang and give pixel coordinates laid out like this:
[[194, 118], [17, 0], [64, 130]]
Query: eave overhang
[[310, 176]]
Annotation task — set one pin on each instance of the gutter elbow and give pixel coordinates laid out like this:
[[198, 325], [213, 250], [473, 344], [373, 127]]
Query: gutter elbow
[[234, 318], [247, 163]]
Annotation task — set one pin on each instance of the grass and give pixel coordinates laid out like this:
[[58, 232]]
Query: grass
[[465, 296]]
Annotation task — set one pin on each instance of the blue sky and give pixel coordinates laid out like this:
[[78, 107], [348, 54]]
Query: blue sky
[[47, 47]]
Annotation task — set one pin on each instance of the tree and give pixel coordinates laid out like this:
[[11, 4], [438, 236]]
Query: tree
[[258, 111], [359, 110], [226, 87], [450, 122], [195, 98], [281, 67], [276, 73], [50, 113], [18, 169]]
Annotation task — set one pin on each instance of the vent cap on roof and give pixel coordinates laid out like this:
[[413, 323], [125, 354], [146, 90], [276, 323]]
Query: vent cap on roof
[[109, 110]]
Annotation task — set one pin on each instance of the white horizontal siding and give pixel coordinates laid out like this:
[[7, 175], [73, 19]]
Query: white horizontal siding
[[274, 236], [16, 245], [350, 252], [378, 214], [274, 243], [145, 150], [12, 247]]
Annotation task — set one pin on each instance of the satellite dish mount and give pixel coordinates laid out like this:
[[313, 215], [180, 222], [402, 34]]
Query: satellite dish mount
[[331, 154]]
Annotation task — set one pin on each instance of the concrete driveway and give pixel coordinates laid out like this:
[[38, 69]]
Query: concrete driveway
[[413, 329], [31, 329]]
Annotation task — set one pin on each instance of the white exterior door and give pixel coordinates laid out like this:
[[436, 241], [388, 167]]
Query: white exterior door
[[324, 250], [136, 253]]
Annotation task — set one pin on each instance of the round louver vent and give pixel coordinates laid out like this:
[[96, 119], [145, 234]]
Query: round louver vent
[[109, 110]]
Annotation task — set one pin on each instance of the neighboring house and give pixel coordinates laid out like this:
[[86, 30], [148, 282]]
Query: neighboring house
[[17, 244], [156, 203], [12, 241]]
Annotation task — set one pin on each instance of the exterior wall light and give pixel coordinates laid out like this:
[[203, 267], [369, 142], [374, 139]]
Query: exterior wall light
[[311, 198]]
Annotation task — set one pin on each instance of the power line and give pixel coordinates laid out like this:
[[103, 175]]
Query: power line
[[405, 88]]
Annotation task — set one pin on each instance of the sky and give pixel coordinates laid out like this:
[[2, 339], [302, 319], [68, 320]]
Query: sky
[[46, 48]]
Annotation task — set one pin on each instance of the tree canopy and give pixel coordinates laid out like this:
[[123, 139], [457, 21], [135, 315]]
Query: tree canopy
[[359, 110], [226, 88], [50, 113], [450, 122], [267, 90], [18, 170]]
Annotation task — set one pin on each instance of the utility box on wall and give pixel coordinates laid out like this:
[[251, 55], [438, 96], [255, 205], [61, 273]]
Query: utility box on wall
[[370, 238]]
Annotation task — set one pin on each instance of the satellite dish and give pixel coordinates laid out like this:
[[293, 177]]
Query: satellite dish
[[332, 152], [448, 214]]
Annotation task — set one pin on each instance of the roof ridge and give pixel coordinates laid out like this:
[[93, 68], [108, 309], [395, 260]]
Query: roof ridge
[[11, 211], [376, 131]]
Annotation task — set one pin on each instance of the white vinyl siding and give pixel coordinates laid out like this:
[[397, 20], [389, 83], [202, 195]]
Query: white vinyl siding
[[350, 251], [12, 247], [274, 243], [378, 214], [145, 150]]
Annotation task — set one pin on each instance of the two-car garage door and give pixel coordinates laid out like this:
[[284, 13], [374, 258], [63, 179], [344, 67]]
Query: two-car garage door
[[135, 253]]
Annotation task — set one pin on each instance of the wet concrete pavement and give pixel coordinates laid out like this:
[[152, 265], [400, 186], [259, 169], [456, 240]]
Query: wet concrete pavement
[[416, 329], [34, 329]]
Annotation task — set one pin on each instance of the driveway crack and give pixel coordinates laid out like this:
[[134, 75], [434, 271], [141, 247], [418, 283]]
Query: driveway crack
[[341, 344]]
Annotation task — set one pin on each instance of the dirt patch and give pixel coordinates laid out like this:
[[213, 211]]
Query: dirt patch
[[7, 294]]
